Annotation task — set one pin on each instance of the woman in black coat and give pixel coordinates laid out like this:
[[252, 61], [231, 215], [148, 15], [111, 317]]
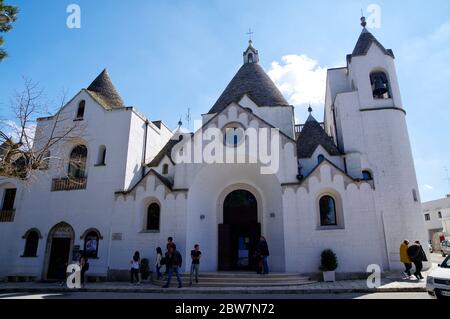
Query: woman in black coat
[[263, 253], [417, 256]]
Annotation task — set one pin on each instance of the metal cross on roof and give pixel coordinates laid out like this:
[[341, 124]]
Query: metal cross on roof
[[249, 33]]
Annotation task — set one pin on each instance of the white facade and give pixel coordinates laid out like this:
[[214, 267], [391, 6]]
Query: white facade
[[372, 216], [437, 220]]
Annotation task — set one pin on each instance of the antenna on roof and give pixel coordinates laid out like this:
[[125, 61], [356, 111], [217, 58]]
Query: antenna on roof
[[188, 118], [250, 33], [363, 19]]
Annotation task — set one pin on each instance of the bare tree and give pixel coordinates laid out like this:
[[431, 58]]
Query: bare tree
[[30, 139]]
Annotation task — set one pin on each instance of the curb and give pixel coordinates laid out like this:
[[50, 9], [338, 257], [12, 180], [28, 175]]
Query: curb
[[214, 291]]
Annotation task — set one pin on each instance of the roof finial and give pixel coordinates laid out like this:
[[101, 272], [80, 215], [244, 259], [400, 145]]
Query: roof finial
[[180, 123], [310, 109], [249, 33], [363, 19]]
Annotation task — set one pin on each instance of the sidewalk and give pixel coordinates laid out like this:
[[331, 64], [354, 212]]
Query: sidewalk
[[390, 283]]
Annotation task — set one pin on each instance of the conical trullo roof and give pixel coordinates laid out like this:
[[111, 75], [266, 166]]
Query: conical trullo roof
[[313, 135], [103, 90], [253, 81]]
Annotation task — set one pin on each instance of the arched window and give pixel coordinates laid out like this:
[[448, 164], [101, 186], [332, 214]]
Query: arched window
[[153, 216], [250, 58], [31, 244], [80, 111], [233, 135], [165, 169], [320, 158], [77, 162], [367, 176], [380, 85], [9, 198], [91, 244], [101, 155], [327, 206]]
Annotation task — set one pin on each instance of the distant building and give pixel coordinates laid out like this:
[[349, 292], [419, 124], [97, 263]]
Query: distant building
[[437, 220]]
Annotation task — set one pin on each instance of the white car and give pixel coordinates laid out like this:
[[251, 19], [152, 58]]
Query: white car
[[438, 280], [445, 248]]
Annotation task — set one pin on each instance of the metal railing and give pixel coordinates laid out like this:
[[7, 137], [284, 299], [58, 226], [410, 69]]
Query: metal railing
[[7, 216], [299, 128], [68, 184]]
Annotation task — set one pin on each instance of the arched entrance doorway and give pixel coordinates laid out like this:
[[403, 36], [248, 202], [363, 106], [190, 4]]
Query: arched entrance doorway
[[240, 231], [59, 245]]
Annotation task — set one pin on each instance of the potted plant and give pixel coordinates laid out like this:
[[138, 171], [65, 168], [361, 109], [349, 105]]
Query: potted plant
[[328, 265], [144, 269]]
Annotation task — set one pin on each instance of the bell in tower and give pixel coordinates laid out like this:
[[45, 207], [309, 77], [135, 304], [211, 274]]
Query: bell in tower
[[379, 83]]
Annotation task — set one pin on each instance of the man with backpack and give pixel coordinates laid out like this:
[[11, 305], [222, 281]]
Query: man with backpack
[[173, 263]]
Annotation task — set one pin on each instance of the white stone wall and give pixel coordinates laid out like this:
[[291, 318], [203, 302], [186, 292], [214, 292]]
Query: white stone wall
[[129, 219], [308, 164], [378, 141], [38, 207], [358, 242]]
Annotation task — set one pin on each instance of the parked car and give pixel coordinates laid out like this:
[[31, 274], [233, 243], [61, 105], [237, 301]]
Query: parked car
[[438, 280], [445, 248]]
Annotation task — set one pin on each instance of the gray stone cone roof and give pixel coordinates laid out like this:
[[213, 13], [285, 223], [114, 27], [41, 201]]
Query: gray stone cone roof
[[166, 150], [365, 40], [311, 137], [253, 81], [104, 91]]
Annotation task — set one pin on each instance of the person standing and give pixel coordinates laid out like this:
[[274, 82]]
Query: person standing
[[263, 252], [84, 265], [158, 263], [417, 256], [169, 244], [135, 265], [195, 256], [404, 258], [173, 262]]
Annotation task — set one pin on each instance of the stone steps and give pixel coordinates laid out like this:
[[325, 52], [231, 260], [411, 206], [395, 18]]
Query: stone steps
[[229, 279]]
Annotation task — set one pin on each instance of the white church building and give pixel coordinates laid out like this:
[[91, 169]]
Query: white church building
[[346, 183]]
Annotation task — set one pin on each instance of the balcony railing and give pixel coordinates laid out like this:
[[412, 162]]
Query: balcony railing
[[68, 184], [298, 128], [7, 216]]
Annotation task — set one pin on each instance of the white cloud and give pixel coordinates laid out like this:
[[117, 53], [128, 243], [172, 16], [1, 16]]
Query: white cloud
[[300, 78]]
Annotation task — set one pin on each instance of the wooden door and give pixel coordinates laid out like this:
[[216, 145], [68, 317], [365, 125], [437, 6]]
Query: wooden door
[[225, 247]]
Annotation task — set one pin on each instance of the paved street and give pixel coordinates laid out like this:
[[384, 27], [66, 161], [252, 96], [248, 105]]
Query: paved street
[[95, 295], [393, 286]]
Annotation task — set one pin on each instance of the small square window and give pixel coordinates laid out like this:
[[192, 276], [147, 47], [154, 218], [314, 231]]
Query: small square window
[[427, 217]]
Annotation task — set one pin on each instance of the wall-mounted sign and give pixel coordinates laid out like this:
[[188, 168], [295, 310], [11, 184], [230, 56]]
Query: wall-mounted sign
[[76, 253], [117, 236]]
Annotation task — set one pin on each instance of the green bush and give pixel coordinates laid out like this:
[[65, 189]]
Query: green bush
[[144, 269], [328, 261]]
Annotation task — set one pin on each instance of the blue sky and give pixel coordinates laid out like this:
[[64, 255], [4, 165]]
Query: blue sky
[[166, 56]]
